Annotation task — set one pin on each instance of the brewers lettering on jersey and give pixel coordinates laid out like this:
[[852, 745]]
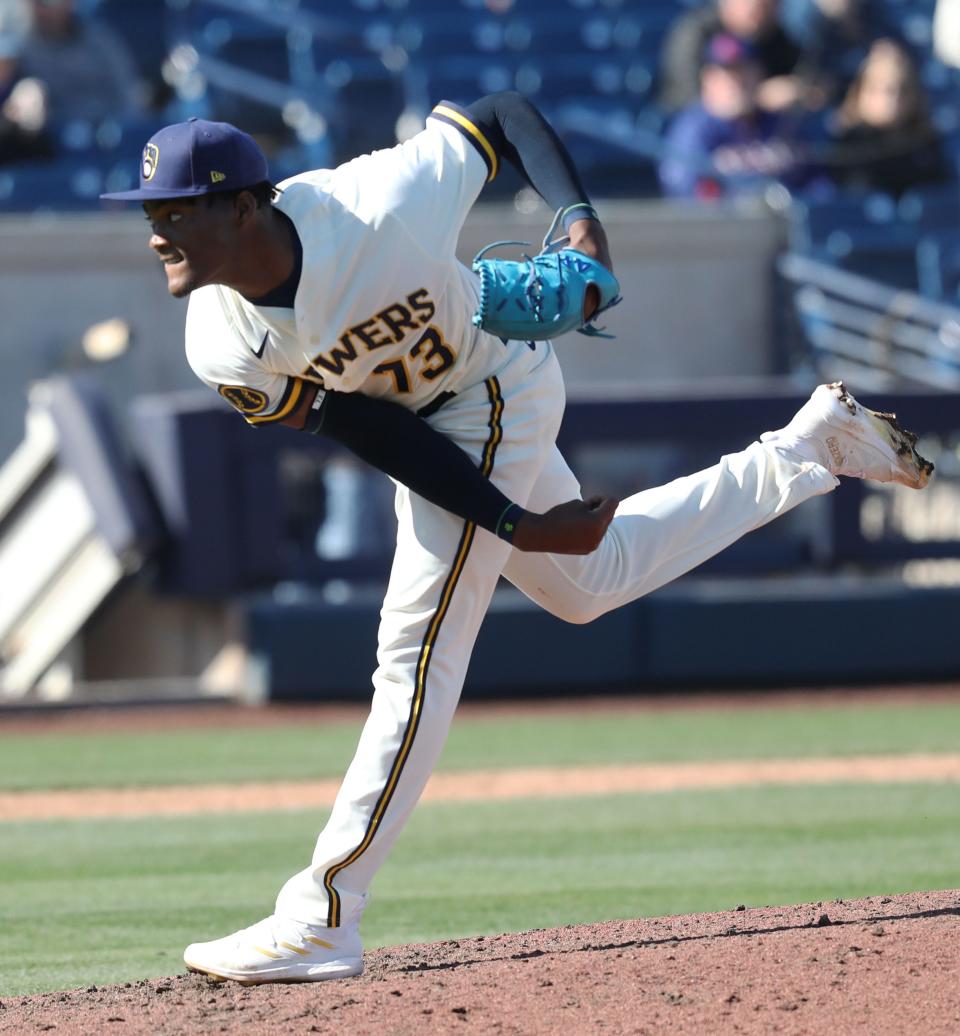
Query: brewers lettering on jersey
[[335, 304]]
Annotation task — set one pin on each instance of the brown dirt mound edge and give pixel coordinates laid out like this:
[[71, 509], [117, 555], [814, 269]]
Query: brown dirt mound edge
[[879, 965]]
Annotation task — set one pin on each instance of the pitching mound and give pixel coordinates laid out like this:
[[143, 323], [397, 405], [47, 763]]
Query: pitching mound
[[880, 965]]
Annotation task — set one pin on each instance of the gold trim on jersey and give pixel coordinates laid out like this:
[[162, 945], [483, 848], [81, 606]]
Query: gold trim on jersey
[[495, 425], [455, 117], [286, 406], [423, 664]]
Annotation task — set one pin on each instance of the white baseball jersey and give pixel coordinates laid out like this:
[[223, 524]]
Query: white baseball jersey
[[383, 306]]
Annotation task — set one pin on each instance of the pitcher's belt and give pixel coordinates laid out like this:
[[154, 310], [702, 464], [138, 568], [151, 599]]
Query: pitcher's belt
[[434, 405]]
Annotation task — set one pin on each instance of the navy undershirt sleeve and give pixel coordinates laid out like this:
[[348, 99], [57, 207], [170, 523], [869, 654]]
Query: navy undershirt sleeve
[[401, 444], [520, 134]]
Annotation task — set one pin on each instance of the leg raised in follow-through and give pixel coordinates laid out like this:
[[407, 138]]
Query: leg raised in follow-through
[[663, 532]]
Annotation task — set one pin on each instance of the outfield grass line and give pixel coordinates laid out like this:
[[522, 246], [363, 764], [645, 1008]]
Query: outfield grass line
[[483, 786]]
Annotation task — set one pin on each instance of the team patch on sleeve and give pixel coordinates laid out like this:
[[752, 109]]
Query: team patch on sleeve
[[252, 403], [248, 401], [453, 115]]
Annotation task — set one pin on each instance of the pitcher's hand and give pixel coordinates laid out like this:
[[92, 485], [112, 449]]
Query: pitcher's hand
[[576, 527], [589, 237]]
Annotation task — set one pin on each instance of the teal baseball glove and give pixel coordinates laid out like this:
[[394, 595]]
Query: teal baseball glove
[[543, 295]]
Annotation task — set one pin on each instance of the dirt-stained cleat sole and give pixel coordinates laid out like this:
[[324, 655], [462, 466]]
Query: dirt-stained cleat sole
[[855, 441], [907, 466], [340, 969]]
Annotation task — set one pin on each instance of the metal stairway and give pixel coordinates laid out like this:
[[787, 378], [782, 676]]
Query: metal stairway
[[73, 524]]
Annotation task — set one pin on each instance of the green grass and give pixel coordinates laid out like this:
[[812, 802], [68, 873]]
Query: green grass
[[300, 752], [86, 902]]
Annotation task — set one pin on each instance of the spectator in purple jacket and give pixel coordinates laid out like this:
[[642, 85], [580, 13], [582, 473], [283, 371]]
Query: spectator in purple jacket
[[725, 143]]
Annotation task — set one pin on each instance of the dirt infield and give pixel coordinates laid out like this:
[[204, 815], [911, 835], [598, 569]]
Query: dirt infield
[[479, 786], [879, 966]]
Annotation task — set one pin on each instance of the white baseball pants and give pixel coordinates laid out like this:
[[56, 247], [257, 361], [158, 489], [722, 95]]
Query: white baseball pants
[[444, 574]]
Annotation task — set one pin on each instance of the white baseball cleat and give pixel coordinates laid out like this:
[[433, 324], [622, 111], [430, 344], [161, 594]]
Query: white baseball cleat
[[848, 439], [279, 950]]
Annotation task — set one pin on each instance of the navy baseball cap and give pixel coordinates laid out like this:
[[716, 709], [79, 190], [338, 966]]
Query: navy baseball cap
[[196, 157], [728, 51]]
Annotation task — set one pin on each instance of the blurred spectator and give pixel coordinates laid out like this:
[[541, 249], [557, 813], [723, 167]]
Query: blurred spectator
[[86, 68], [755, 22], [882, 136], [724, 143], [23, 109], [834, 36]]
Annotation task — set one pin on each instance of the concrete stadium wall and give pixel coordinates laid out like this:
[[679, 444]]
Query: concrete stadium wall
[[696, 281]]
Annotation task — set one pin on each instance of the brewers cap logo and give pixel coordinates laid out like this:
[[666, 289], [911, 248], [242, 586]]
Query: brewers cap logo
[[151, 155], [246, 400]]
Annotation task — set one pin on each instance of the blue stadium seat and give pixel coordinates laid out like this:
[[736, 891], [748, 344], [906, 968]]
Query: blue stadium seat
[[861, 234], [938, 266], [367, 60], [144, 27], [268, 55], [32, 186], [931, 208], [813, 222]]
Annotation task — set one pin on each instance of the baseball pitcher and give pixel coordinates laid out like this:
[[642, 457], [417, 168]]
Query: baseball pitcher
[[334, 303]]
